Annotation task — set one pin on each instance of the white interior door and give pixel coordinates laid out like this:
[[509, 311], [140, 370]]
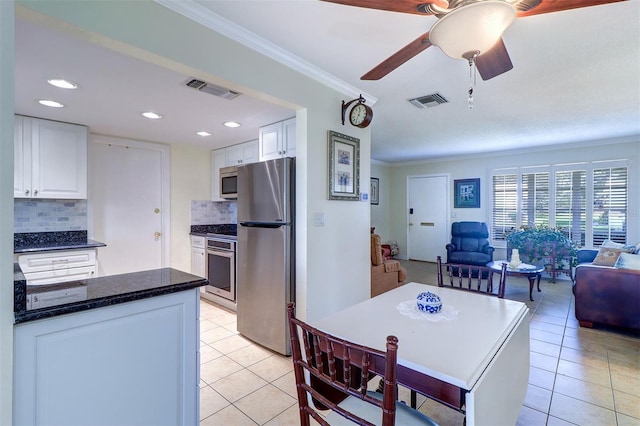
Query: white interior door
[[428, 198], [128, 199]]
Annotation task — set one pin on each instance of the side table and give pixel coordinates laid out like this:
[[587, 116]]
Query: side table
[[532, 273]]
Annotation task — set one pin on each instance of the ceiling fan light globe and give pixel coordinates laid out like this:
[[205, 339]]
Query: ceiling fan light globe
[[477, 26]]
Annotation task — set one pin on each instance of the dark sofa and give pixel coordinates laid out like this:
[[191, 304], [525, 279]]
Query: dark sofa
[[606, 295]]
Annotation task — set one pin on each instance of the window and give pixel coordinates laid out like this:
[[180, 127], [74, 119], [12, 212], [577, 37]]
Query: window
[[570, 211], [587, 202], [609, 205], [505, 205], [535, 199]]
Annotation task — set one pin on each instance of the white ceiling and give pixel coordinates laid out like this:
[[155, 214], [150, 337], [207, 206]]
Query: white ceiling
[[576, 77]]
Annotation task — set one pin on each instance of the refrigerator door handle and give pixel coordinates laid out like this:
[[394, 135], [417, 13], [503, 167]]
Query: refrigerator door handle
[[263, 225]]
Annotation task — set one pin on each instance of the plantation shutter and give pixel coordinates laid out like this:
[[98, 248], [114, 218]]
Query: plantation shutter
[[609, 205], [535, 199], [505, 205], [570, 201]]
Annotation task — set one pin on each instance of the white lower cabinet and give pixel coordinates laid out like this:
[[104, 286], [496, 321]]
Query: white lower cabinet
[[198, 256], [132, 363]]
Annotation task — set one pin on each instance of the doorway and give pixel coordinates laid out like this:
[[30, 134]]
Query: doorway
[[129, 204], [428, 219]]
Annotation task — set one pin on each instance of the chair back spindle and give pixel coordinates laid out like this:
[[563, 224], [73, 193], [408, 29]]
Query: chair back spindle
[[471, 277]]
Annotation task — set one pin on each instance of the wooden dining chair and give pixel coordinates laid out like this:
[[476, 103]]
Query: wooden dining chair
[[345, 368], [471, 278]]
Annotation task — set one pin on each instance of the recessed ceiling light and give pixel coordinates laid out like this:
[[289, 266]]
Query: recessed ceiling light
[[203, 133], [50, 103], [151, 115], [231, 124], [63, 84]]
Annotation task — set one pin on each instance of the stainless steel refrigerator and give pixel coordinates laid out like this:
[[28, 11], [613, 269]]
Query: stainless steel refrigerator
[[266, 251]]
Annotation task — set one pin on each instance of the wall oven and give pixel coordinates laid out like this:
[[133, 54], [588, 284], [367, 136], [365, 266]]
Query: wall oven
[[221, 267], [229, 182]]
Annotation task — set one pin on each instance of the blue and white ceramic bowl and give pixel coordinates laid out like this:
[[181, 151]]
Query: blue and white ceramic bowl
[[429, 302]]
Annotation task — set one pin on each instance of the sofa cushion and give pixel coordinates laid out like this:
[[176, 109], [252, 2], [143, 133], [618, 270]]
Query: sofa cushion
[[607, 256], [376, 250], [628, 248], [628, 261]]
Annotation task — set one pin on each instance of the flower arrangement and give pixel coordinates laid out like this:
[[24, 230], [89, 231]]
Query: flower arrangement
[[545, 246]]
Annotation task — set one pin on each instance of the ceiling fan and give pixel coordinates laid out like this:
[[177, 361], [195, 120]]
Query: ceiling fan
[[466, 29]]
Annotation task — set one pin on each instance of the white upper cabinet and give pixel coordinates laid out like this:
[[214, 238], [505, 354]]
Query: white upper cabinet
[[278, 140], [50, 159], [234, 155], [243, 153]]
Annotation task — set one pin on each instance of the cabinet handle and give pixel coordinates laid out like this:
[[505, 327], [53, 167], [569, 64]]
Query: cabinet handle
[[157, 234], [35, 192], [26, 192]]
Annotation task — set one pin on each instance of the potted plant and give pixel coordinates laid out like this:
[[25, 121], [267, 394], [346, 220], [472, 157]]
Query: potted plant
[[544, 246]]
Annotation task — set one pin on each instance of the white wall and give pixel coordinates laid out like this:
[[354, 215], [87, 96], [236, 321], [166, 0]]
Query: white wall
[[381, 213], [481, 165], [6, 209], [190, 180], [332, 261]]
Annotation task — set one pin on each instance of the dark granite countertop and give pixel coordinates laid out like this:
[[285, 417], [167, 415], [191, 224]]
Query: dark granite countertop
[[30, 242], [102, 291], [204, 230]]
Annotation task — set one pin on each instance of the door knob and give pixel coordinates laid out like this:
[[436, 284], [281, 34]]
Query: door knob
[[157, 234]]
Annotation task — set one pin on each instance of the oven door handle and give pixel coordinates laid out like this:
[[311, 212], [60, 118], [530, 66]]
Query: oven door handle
[[221, 253]]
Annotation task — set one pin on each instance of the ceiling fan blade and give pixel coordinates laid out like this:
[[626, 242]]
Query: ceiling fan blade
[[403, 6], [494, 62], [398, 58], [537, 7]]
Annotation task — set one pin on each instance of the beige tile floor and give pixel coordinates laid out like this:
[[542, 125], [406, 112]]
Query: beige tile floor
[[577, 376]]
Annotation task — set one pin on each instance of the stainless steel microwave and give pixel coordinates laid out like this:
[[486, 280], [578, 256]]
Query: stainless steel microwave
[[229, 182]]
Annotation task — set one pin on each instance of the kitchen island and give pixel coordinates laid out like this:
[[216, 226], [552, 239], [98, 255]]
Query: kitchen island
[[121, 349]]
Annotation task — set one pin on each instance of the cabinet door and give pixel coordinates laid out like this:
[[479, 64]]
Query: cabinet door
[[218, 161], [250, 152], [21, 158], [289, 138], [233, 155], [198, 261], [59, 158], [270, 138]]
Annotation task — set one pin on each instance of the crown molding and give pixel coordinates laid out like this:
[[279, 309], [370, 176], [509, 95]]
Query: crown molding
[[206, 17]]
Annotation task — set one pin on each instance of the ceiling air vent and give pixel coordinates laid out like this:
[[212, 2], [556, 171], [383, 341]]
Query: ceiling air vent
[[429, 101], [211, 89]]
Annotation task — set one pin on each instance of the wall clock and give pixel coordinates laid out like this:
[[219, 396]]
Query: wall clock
[[360, 115]]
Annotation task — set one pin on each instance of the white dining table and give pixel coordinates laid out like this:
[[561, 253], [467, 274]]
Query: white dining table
[[473, 356]]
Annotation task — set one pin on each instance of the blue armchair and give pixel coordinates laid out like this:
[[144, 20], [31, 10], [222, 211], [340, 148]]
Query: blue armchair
[[469, 244]]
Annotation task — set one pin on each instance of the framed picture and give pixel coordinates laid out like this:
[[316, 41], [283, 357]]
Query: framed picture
[[344, 167], [466, 193], [375, 191]]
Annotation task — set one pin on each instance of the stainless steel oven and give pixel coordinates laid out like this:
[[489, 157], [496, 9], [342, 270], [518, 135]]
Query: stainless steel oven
[[221, 267]]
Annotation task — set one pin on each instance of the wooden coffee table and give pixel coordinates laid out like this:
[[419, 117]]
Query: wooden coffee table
[[532, 273]]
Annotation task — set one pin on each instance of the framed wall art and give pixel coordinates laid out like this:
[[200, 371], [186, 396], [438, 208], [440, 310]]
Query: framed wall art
[[375, 191], [344, 167], [466, 193]]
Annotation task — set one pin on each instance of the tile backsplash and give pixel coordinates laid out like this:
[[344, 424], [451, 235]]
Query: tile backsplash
[[49, 215], [213, 212]]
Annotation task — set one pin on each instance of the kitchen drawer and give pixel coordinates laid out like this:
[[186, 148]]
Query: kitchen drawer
[[197, 241], [50, 261], [60, 275]]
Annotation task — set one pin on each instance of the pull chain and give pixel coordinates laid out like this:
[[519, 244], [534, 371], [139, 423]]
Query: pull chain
[[471, 57], [472, 79]]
